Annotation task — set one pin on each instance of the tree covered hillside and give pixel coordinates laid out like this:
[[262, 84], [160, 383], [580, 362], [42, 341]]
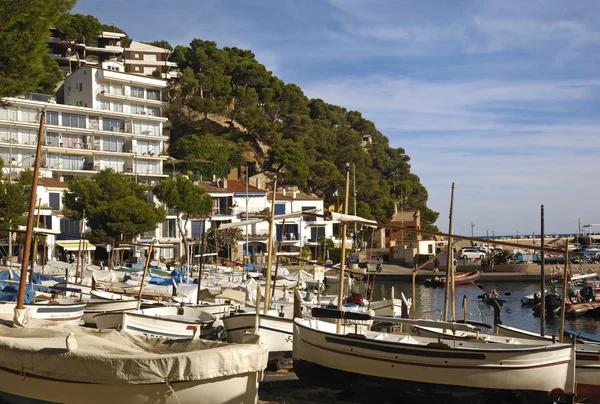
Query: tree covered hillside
[[279, 130]]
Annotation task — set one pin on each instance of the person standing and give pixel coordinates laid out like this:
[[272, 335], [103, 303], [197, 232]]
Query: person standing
[[436, 266]]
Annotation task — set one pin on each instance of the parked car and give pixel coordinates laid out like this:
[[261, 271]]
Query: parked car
[[471, 253]]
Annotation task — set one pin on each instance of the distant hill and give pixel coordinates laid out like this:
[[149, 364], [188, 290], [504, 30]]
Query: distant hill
[[227, 106]]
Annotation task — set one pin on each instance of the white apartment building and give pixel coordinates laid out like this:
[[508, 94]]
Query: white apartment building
[[96, 131], [144, 59], [110, 119], [93, 51]]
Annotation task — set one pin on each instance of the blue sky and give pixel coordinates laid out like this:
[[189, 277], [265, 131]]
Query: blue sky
[[500, 97]]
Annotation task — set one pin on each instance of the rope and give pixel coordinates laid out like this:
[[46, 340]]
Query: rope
[[172, 390]]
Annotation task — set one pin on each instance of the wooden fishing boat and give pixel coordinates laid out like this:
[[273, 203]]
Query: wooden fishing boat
[[275, 332], [167, 322], [423, 366], [587, 363], [94, 307], [69, 364], [462, 278], [67, 312]]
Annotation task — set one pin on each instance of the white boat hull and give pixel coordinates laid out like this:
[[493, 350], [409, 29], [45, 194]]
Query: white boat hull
[[587, 364], [415, 365], [94, 308], [164, 322], [275, 332], [70, 313], [16, 388]]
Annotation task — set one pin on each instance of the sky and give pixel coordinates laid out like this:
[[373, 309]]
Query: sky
[[499, 97]]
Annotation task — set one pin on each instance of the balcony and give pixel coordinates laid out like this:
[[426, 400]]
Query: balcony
[[124, 96], [288, 237]]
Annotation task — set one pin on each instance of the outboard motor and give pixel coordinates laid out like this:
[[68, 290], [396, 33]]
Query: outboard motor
[[552, 303], [537, 297], [587, 294]]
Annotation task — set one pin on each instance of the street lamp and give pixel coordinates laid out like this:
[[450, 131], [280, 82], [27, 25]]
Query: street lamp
[[17, 164], [78, 60]]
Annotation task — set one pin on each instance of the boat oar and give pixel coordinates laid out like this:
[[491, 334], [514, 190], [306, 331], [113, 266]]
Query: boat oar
[[321, 312]]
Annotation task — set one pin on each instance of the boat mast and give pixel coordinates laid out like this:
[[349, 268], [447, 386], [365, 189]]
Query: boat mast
[[270, 250], [542, 277], [148, 259], [450, 264], [564, 294], [343, 251], [30, 216]]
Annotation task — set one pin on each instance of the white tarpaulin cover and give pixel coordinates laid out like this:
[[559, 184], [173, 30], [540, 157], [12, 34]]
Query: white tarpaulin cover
[[110, 357]]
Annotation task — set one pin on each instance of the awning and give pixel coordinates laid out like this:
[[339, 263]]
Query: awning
[[74, 245]]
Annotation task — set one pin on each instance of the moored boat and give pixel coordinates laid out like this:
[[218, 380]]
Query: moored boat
[[167, 322], [423, 366], [462, 278], [68, 364], [275, 332], [67, 312]]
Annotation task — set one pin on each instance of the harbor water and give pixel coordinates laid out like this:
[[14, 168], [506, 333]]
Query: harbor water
[[514, 314]]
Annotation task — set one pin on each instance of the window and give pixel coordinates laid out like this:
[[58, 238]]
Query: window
[[54, 200], [26, 159], [146, 128], [69, 226], [8, 114], [150, 58], [116, 164], [51, 118], [47, 222], [5, 156], [148, 71], [137, 92], [73, 120], [72, 141], [80, 86], [79, 103], [117, 89], [52, 139], [197, 229], [153, 94], [147, 147], [136, 55], [337, 230], [137, 109], [316, 233], [169, 228], [148, 168], [137, 68], [73, 162], [30, 115], [113, 106], [52, 161], [116, 106], [8, 135], [28, 136], [280, 208], [154, 111], [112, 144], [309, 218], [113, 125]]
